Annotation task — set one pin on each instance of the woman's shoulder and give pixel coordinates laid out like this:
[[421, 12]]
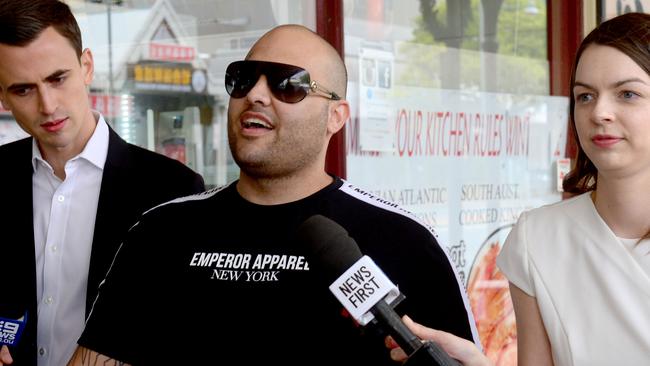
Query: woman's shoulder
[[567, 207]]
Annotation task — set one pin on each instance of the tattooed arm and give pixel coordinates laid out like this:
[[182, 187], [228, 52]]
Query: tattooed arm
[[85, 357]]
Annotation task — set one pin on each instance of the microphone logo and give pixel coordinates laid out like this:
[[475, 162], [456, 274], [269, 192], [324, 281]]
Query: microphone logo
[[362, 286], [11, 329]]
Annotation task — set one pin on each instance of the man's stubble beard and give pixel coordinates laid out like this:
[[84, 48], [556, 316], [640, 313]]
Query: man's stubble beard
[[285, 155]]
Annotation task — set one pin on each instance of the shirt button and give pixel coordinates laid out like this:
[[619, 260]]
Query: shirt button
[[41, 351], [49, 300], [54, 248], [60, 198]]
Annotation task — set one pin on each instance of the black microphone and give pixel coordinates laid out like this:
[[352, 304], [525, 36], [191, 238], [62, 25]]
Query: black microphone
[[362, 287]]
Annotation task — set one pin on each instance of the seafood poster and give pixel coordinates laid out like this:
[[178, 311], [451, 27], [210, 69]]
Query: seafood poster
[[467, 164]]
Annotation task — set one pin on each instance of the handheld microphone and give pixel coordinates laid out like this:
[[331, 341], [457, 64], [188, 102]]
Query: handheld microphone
[[363, 288]]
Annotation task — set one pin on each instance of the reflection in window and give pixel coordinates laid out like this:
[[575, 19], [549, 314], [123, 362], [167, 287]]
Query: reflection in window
[[159, 76]]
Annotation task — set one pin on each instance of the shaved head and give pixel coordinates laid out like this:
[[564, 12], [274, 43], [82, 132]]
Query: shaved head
[[297, 45], [277, 143]]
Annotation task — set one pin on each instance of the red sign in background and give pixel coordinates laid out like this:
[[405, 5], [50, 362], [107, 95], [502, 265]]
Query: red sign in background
[[171, 52]]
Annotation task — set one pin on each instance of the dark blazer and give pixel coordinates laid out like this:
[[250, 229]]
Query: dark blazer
[[134, 180]]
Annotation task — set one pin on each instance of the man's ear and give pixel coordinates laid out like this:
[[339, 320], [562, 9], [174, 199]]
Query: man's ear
[[338, 115], [87, 66]]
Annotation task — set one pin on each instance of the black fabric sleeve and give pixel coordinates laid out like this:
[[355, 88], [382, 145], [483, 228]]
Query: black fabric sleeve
[[414, 260], [117, 325], [435, 296]]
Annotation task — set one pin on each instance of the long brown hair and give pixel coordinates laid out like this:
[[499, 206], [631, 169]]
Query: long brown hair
[[630, 34]]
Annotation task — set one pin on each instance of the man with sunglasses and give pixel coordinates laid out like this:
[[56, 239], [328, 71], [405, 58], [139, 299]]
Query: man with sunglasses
[[222, 278]]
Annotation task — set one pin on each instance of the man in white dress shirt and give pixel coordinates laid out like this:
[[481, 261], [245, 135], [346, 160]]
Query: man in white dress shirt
[[78, 166]]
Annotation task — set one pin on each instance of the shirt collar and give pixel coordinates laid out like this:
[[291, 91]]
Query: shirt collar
[[95, 151]]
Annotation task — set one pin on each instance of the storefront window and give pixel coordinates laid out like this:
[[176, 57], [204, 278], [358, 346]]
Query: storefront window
[[159, 70], [159, 77], [453, 120], [451, 113]]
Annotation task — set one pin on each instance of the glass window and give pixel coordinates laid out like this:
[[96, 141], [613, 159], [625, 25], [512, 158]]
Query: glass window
[[159, 70], [452, 119]]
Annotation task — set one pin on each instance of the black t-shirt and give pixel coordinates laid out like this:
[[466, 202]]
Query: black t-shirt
[[215, 279]]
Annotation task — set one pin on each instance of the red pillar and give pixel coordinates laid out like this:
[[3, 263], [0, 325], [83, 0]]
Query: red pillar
[[329, 24], [564, 27]]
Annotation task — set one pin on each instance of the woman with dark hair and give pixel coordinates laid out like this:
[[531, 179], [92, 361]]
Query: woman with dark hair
[[579, 270]]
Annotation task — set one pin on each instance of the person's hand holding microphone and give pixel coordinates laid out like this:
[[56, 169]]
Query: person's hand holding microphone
[[458, 348]]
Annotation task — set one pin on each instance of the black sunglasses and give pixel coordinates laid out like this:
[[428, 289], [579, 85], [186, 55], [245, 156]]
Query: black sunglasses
[[288, 83]]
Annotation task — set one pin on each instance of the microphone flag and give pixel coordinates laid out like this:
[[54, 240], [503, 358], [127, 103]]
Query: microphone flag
[[362, 286], [11, 329]]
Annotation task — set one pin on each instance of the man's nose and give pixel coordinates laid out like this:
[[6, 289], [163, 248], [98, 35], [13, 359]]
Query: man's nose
[[47, 101], [260, 93]]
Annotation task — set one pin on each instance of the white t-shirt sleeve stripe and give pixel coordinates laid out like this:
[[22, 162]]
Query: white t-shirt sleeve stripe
[[193, 197]]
